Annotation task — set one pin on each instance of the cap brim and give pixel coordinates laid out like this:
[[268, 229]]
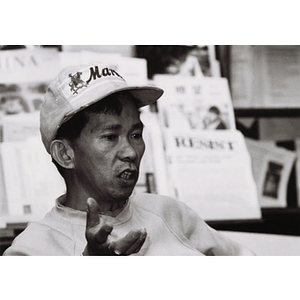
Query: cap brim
[[145, 95]]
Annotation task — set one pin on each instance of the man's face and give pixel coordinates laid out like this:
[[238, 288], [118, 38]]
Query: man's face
[[108, 154]]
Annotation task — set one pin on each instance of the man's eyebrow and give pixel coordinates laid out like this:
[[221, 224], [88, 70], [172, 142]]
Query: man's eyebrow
[[139, 125], [111, 127], [106, 127]]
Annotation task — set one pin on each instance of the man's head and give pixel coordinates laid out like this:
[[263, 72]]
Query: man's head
[[214, 110], [96, 144], [71, 130], [104, 154], [77, 87]]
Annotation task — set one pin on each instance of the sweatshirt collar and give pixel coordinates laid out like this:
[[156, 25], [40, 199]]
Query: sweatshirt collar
[[79, 217]]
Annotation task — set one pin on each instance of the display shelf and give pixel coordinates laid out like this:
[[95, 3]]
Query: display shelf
[[281, 211], [267, 112], [233, 222], [248, 225], [8, 234], [285, 221], [11, 226]]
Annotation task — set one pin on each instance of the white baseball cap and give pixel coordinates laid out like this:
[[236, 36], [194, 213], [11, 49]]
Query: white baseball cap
[[77, 87]]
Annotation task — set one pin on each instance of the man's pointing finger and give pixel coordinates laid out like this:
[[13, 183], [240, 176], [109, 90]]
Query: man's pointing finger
[[92, 218]]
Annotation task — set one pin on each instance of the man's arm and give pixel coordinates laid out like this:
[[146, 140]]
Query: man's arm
[[194, 230]]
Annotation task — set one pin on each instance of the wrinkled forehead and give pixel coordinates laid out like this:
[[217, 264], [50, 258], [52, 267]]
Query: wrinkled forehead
[[128, 115], [113, 104]]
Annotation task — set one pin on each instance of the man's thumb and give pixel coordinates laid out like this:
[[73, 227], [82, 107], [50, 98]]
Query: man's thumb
[[92, 213]]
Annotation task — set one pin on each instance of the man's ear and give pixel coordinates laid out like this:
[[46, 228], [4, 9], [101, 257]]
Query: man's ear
[[63, 153]]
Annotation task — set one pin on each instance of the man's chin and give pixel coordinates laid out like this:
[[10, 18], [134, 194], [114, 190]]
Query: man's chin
[[128, 193], [123, 193]]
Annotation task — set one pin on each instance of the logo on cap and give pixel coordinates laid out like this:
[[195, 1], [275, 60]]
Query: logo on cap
[[76, 82]]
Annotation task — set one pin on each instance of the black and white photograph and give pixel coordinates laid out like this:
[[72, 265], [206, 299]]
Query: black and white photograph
[[125, 165], [90, 160]]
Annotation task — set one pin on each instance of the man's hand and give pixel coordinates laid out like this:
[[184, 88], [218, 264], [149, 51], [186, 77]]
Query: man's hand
[[96, 235]]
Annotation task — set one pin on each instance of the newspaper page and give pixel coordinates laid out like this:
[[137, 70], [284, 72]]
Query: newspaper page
[[279, 74], [206, 58], [190, 103], [18, 127], [147, 182], [27, 65], [271, 169], [3, 200], [242, 75], [154, 165], [211, 172], [31, 180], [24, 77], [69, 58], [265, 76]]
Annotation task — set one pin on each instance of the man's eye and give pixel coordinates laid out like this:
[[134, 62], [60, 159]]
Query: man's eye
[[110, 137], [137, 136]]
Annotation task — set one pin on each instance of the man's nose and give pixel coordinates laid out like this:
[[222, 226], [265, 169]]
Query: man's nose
[[127, 151]]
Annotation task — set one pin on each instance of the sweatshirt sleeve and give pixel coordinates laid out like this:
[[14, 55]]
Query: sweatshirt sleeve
[[208, 240], [189, 227]]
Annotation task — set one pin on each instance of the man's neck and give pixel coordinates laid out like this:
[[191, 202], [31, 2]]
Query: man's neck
[[111, 208]]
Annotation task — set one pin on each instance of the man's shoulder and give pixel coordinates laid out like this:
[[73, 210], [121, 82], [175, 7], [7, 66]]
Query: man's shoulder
[[38, 238]]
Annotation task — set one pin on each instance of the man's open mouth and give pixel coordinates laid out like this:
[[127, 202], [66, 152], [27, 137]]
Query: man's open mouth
[[128, 174]]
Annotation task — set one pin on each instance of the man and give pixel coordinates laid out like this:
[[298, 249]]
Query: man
[[214, 120], [90, 125]]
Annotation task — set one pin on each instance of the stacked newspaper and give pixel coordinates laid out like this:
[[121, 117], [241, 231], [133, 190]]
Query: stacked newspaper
[[28, 182], [207, 162]]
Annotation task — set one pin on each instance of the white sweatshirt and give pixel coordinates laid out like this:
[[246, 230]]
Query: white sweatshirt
[[172, 229]]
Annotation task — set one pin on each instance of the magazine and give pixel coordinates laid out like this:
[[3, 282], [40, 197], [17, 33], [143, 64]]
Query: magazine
[[271, 169]]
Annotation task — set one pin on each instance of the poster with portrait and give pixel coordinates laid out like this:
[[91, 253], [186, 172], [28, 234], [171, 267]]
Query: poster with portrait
[[194, 103], [272, 167]]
